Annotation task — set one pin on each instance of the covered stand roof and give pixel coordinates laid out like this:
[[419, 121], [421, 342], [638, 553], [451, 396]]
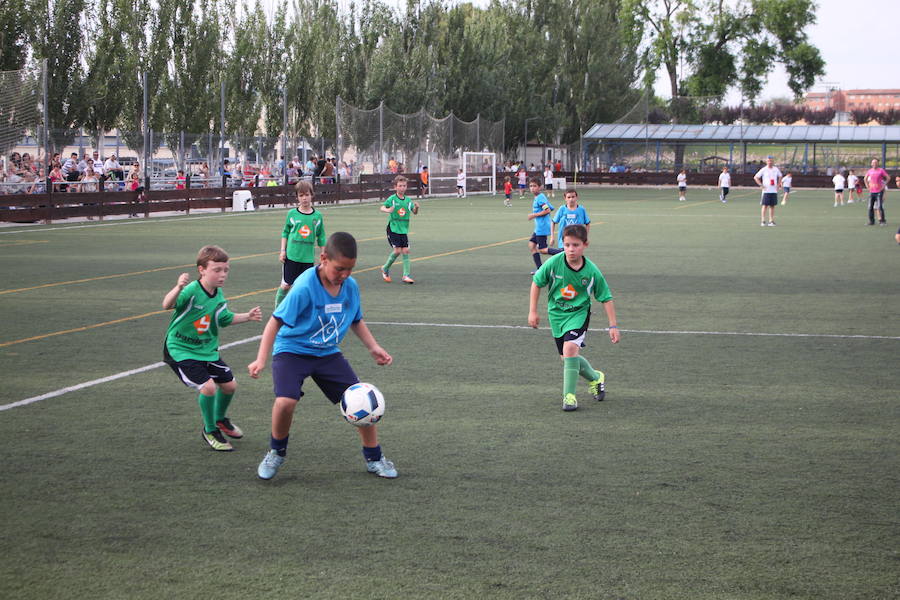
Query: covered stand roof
[[640, 132]]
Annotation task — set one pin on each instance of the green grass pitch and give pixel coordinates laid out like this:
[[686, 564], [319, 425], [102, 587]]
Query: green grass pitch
[[747, 449]]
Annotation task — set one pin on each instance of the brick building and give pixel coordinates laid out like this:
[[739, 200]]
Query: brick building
[[846, 100]]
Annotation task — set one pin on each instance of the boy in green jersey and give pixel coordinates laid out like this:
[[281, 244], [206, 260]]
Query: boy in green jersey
[[302, 239], [400, 209], [191, 348], [571, 279]]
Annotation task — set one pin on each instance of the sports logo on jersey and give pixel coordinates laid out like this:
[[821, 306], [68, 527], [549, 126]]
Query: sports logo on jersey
[[401, 212], [568, 292], [304, 231], [202, 324]]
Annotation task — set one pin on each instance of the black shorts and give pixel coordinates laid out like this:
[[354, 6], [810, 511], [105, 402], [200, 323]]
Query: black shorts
[[194, 373], [682, 188], [769, 199], [724, 191], [548, 186], [291, 270], [397, 240], [837, 190], [540, 240], [574, 335], [332, 373]]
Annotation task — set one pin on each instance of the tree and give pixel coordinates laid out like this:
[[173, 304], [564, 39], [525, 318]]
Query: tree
[[16, 22]]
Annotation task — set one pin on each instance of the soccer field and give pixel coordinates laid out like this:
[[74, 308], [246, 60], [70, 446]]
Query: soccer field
[[747, 448]]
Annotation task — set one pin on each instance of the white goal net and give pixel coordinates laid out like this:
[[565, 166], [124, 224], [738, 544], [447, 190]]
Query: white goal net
[[480, 170]]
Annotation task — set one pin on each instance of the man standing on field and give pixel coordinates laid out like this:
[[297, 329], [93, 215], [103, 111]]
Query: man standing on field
[[769, 179], [876, 180]]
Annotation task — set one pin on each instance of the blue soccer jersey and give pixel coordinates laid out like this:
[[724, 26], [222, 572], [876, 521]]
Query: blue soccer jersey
[[565, 216], [541, 224], [313, 321]]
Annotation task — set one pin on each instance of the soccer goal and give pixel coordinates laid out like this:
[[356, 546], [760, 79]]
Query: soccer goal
[[480, 169]]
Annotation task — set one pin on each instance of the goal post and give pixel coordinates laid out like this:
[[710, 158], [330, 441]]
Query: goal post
[[480, 170]]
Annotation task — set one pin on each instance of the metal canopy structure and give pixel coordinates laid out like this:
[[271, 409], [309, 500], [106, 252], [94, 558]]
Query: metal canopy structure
[[744, 133]]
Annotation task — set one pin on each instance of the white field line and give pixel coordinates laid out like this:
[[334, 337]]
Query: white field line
[[150, 367]]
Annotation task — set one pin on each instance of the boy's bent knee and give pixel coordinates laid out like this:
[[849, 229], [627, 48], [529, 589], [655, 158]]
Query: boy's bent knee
[[208, 388], [228, 387]]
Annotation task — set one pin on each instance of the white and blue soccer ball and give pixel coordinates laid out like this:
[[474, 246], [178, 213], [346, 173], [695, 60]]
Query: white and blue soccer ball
[[362, 404]]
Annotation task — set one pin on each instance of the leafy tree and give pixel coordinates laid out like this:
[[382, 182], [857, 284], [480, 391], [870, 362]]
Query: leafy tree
[[819, 117], [862, 116], [16, 23], [890, 116]]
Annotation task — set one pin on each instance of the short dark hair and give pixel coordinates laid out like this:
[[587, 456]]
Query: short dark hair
[[210, 254], [570, 191], [304, 187], [341, 243], [535, 181], [576, 231]]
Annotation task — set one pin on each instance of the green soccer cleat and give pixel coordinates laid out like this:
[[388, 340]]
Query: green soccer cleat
[[217, 441], [597, 387], [382, 468], [570, 403], [269, 465]]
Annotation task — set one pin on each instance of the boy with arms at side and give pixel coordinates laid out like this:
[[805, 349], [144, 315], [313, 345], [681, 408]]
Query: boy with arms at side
[[507, 192], [399, 209], [191, 348], [724, 184], [305, 332], [570, 214], [540, 213], [682, 185], [571, 279], [302, 239]]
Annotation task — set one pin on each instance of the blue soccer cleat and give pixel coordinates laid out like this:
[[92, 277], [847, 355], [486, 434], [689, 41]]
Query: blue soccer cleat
[[382, 468], [269, 466]]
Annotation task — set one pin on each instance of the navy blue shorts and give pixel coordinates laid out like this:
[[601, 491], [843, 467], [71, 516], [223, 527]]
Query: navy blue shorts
[[291, 270], [769, 199], [397, 240], [540, 240], [332, 373]]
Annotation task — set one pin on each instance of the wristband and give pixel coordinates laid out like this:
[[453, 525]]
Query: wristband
[[613, 327]]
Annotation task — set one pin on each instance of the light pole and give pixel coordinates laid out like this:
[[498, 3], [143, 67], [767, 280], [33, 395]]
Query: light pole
[[525, 140]]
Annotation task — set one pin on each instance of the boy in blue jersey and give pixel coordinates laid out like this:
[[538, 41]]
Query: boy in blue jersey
[[305, 331], [540, 213], [570, 214]]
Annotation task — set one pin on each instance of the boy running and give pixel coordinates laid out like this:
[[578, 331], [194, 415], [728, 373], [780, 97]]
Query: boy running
[[191, 348], [400, 209], [571, 279], [302, 239], [540, 213], [724, 184], [305, 332], [570, 214]]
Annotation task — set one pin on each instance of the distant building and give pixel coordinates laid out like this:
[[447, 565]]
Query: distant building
[[846, 100]]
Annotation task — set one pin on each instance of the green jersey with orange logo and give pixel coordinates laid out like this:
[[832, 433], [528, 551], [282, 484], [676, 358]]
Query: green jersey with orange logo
[[194, 330], [569, 292], [398, 220], [303, 232]]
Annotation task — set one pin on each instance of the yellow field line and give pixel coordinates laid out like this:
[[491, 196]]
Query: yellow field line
[[263, 291], [22, 243], [144, 272], [692, 204]]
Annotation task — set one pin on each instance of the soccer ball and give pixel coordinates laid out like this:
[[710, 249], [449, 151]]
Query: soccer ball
[[362, 404]]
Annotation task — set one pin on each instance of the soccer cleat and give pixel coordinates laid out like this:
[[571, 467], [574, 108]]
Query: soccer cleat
[[385, 276], [570, 403], [217, 441], [407, 279], [229, 428], [382, 468], [598, 387], [269, 465], [771, 223]]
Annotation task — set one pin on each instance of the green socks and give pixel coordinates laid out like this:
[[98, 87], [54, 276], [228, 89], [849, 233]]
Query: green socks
[[390, 261], [570, 375], [586, 370], [406, 265], [221, 404], [207, 410], [279, 295]]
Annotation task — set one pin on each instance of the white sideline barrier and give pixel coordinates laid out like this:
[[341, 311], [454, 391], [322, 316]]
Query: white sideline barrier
[[241, 201]]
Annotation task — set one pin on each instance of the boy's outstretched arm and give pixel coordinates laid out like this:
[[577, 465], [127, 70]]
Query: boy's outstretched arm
[[254, 314], [365, 336], [385, 209], [614, 335], [170, 298], [265, 348], [533, 316]]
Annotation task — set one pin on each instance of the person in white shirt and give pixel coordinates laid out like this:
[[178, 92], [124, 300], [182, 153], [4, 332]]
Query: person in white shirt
[[682, 185], [838, 181], [113, 169], [724, 184], [786, 186], [460, 184], [854, 187], [768, 179], [548, 180]]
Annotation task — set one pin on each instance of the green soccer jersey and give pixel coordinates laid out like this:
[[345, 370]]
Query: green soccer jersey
[[569, 292], [194, 330], [303, 232], [398, 220]]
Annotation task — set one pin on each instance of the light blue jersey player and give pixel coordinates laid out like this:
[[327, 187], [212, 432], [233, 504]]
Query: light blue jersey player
[[540, 213], [570, 214]]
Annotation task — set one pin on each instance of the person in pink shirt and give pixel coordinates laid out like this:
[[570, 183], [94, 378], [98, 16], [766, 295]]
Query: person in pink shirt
[[876, 180]]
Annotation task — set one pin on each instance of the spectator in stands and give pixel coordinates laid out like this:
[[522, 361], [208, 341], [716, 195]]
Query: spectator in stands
[[309, 168], [392, 165], [343, 172], [70, 172], [558, 167], [38, 184], [113, 169], [203, 174], [82, 164], [56, 177], [327, 172], [89, 183], [180, 180]]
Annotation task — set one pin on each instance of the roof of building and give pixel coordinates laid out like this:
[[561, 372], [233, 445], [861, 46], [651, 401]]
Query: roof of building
[[855, 92], [747, 133]]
